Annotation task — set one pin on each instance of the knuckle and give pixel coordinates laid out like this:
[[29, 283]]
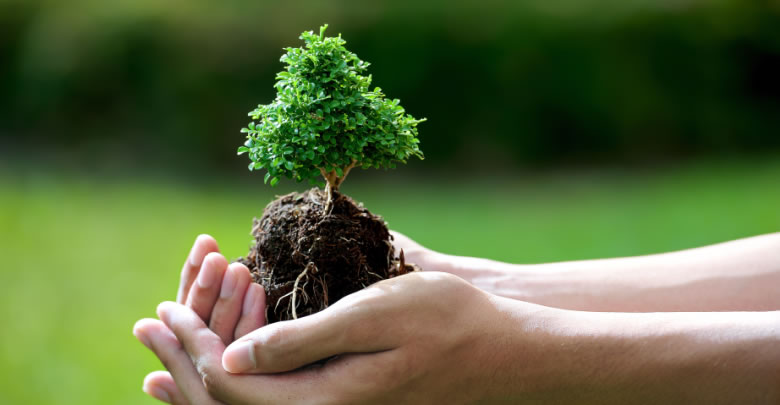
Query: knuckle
[[445, 281], [271, 347], [275, 338], [212, 386], [214, 259], [217, 321], [211, 378]]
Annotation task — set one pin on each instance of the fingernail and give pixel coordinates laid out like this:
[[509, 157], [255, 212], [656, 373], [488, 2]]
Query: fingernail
[[163, 311], [229, 283], [196, 253], [207, 276], [142, 338], [249, 299], [239, 357], [158, 393]]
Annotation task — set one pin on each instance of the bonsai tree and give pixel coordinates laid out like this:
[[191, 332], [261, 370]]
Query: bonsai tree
[[326, 119], [313, 248]]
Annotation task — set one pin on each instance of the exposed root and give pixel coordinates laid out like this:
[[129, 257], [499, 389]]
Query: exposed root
[[324, 287], [280, 300], [401, 267], [295, 290]]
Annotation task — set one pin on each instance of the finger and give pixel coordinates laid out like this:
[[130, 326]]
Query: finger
[[288, 345], [205, 349], [227, 310], [190, 330], [205, 290], [161, 386], [158, 338], [203, 245], [252, 312]]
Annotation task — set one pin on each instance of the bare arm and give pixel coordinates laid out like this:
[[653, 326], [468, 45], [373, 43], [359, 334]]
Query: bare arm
[[741, 275], [648, 358]]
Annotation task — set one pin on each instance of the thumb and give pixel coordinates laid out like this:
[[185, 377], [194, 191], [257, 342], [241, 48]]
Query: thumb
[[288, 345]]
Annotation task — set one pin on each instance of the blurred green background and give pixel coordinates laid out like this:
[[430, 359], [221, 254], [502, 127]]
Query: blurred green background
[[556, 130]]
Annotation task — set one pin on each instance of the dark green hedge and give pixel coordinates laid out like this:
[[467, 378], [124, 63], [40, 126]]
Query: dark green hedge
[[501, 83]]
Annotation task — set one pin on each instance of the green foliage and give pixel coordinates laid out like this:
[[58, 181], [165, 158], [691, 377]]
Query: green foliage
[[326, 119]]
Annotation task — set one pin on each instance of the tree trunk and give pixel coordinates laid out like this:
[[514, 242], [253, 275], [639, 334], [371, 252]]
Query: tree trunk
[[333, 183]]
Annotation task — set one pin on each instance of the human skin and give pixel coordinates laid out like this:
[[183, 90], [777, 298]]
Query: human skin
[[433, 338], [221, 294], [740, 275]]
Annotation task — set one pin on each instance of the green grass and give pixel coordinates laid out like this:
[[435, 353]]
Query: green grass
[[83, 259]]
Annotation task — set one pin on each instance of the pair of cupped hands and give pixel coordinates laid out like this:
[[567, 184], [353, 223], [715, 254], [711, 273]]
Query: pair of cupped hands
[[425, 337]]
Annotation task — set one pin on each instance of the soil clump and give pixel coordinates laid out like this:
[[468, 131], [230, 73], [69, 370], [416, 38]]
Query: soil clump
[[307, 259]]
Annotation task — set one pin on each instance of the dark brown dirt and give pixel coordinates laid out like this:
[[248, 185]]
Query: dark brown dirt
[[307, 259]]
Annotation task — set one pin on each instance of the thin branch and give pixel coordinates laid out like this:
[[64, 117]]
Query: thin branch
[[333, 179], [346, 171]]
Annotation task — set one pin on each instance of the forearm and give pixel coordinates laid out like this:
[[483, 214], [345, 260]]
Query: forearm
[[735, 276], [668, 358], [710, 358]]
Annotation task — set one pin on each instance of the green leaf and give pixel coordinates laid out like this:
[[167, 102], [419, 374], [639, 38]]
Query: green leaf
[[326, 113]]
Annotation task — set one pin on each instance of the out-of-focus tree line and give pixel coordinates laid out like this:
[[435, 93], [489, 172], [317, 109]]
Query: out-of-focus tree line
[[502, 83]]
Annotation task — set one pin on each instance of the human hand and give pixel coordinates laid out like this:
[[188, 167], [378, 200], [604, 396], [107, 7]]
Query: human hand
[[221, 295], [419, 338]]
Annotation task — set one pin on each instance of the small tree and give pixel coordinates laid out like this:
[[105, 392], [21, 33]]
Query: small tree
[[325, 120]]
